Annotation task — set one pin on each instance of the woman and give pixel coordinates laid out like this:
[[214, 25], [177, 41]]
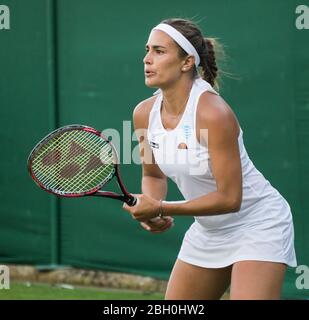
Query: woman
[[243, 231]]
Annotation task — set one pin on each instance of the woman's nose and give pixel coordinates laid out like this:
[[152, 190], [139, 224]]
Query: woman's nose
[[147, 58]]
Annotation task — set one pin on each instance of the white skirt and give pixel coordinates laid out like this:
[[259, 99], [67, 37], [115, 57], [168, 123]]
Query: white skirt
[[262, 236]]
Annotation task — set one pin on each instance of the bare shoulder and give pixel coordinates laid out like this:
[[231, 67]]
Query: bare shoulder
[[214, 113], [141, 112]]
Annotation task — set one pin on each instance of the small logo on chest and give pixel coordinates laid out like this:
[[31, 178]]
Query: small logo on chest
[[154, 144], [187, 131]]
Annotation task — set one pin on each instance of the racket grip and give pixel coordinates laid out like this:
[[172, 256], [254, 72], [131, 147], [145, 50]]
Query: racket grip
[[131, 201]]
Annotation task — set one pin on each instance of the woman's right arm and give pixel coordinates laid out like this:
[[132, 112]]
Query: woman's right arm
[[154, 182]]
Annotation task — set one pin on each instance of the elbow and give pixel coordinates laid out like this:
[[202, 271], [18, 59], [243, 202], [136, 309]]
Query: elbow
[[235, 205], [236, 208]]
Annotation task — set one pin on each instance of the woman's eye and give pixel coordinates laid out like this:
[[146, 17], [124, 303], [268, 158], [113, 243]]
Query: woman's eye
[[157, 51]]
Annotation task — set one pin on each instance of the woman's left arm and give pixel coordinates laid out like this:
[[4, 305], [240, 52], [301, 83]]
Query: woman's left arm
[[219, 129]]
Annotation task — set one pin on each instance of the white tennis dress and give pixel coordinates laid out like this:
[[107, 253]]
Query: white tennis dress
[[263, 227]]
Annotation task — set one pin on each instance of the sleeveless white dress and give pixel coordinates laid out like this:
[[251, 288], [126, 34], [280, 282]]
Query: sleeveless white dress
[[263, 227]]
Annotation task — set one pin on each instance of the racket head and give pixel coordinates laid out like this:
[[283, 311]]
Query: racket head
[[73, 161]]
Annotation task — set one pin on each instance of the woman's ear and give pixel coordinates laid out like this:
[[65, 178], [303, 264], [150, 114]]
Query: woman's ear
[[188, 63]]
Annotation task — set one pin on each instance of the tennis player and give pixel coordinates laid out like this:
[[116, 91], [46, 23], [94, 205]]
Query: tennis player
[[243, 234]]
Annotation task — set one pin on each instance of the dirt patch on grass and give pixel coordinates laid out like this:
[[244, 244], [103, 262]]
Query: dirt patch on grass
[[84, 277]]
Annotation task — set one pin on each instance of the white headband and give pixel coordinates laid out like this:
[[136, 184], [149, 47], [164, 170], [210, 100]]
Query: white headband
[[184, 43]]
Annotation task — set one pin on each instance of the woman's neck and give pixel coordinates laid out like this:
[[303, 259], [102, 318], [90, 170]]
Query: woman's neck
[[175, 98]]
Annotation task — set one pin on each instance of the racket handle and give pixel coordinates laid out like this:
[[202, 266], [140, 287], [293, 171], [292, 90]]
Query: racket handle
[[131, 201]]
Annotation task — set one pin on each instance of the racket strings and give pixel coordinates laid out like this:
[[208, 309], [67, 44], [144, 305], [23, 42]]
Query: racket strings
[[70, 169], [104, 170], [53, 172], [81, 181], [81, 160], [70, 183], [67, 154], [103, 174], [63, 144], [74, 161]]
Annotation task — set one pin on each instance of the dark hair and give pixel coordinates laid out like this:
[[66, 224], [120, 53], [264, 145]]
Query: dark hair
[[205, 47]]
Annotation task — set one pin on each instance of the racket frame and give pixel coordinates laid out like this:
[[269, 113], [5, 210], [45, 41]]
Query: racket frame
[[125, 197]]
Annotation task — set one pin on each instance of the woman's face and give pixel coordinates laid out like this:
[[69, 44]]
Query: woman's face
[[162, 64]]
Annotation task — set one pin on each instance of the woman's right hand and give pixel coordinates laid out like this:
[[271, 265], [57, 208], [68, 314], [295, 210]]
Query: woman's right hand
[[158, 225]]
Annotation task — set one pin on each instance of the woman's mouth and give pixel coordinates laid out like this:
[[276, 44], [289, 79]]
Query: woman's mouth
[[149, 74]]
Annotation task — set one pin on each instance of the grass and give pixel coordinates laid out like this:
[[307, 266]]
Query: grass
[[40, 291]]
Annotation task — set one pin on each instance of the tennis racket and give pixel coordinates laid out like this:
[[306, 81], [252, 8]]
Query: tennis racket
[[76, 161]]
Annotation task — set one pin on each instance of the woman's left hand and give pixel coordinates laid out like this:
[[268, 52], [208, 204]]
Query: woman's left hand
[[145, 208]]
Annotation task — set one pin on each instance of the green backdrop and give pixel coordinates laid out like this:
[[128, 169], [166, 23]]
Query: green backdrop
[[74, 61]]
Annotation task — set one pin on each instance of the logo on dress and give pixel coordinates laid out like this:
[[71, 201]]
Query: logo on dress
[[187, 131], [154, 144]]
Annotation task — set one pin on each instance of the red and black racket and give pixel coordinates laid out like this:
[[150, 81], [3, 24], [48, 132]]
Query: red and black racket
[[76, 161]]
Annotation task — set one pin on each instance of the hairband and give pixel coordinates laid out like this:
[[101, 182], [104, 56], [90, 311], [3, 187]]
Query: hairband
[[183, 42]]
